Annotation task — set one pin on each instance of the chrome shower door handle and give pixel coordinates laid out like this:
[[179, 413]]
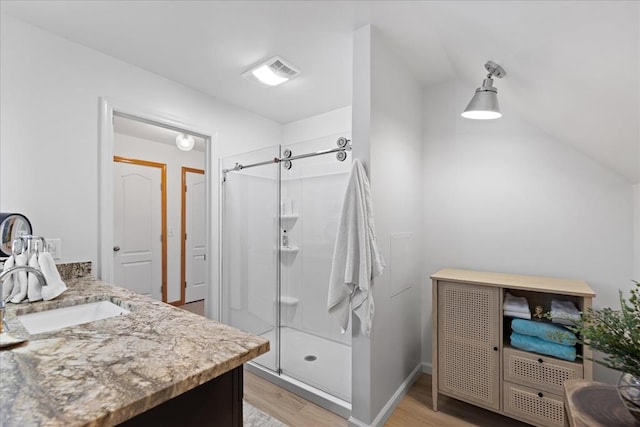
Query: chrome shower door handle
[[116, 248]]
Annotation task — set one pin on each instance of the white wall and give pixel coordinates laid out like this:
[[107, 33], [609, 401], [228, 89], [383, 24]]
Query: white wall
[[143, 149], [503, 196], [385, 364], [329, 123], [636, 225], [49, 134]]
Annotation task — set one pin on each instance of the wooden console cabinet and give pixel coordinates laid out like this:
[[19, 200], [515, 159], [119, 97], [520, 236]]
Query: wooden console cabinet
[[472, 358]]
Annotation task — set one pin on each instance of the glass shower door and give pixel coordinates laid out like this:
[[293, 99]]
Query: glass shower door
[[250, 233], [279, 225], [312, 348]]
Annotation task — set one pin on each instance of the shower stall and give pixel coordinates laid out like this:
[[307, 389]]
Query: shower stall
[[280, 208]]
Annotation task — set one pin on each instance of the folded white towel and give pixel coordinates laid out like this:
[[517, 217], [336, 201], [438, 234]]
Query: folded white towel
[[356, 257], [518, 304], [55, 285], [20, 284], [564, 312], [34, 288], [7, 285], [519, 314]]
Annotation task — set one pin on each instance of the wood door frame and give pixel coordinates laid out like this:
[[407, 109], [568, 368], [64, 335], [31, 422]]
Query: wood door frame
[[163, 210], [183, 221]]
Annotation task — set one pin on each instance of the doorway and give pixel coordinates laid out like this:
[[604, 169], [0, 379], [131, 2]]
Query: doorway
[[112, 116]]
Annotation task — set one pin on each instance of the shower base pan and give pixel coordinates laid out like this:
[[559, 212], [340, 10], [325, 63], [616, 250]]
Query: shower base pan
[[313, 367]]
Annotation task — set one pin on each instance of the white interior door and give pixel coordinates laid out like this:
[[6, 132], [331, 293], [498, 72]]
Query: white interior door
[[137, 250], [195, 237]]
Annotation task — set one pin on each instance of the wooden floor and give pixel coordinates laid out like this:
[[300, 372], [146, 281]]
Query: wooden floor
[[196, 307], [414, 408], [289, 408]]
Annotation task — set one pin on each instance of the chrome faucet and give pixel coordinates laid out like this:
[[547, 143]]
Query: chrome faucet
[[6, 273]]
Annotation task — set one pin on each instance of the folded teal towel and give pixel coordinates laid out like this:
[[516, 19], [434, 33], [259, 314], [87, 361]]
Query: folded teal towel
[[545, 331], [537, 345]]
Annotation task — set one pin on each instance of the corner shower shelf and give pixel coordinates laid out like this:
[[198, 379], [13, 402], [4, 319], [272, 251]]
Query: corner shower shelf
[[289, 301], [290, 249], [288, 221]]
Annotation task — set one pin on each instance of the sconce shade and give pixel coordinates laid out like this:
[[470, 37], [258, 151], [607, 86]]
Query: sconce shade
[[484, 104]]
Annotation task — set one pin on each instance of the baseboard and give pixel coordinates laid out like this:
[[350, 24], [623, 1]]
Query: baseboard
[[427, 368], [391, 405], [354, 422]]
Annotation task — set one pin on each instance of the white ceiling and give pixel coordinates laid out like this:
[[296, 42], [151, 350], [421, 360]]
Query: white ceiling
[[573, 67], [149, 132]]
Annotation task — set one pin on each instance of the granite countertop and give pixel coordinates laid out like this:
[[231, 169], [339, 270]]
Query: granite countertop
[[105, 372]]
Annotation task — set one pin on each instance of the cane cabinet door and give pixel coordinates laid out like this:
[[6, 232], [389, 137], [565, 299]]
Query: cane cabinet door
[[469, 342]]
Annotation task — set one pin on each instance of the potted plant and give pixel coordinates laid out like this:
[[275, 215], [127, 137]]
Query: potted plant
[[616, 333]]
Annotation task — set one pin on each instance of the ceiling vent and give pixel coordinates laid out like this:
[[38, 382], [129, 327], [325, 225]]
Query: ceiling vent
[[272, 72]]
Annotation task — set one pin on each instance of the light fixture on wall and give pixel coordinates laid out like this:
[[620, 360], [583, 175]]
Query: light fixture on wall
[[272, 72], [185, 142], [484, 104]]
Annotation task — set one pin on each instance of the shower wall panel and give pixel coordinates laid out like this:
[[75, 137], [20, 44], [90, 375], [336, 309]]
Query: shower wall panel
[[313, 189], [250, 243]]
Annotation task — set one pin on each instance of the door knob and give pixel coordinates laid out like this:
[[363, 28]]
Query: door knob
[[116, 248]]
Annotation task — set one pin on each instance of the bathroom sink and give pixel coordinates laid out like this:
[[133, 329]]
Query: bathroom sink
[[51, 320]]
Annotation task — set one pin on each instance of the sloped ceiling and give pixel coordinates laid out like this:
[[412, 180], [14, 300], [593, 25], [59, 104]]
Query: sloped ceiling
[[573, 67]]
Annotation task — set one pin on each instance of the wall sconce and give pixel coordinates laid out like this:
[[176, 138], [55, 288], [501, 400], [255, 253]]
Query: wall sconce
[[484, 104]]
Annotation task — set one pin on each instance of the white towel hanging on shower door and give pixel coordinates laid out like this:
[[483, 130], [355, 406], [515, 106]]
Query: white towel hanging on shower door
[[356, 257]]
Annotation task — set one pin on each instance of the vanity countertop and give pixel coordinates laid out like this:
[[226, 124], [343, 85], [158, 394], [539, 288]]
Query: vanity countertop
[[105, 372]]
